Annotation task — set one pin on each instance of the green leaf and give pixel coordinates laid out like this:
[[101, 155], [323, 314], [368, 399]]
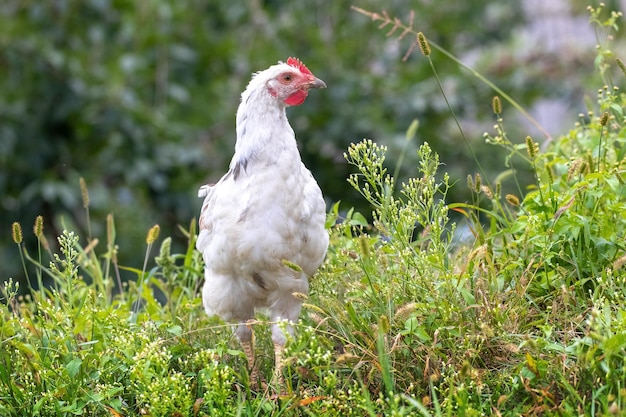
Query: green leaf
[[615, 344], [73, 367], [333, 215], [421, 334], [358, 220], [531, 363], [176, 330], [468, 296]]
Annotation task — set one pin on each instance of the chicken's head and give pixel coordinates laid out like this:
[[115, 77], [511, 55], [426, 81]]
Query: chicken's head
[[291, 82]]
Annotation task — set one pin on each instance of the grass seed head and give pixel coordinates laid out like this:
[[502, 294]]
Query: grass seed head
[[38, 227], [512, 200], [621, 65], [470, 182], [531, 147], [423, 44], [84, 192], [496, 105], [604, 118], [153, 234], [17, 233]]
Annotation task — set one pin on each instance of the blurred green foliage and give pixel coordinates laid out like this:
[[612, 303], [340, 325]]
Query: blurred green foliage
[[139, 98]]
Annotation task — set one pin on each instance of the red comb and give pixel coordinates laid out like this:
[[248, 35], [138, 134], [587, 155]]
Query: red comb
[[296, 63]]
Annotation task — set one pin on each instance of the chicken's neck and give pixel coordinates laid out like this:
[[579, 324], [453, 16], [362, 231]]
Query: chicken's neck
[[263, 132]]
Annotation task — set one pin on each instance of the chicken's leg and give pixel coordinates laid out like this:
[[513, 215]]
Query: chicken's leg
[[246, 338], [284, 313], [248, 349], [278, 366]]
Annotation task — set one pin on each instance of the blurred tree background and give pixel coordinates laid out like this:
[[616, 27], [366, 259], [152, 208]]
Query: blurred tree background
[[139, 99]]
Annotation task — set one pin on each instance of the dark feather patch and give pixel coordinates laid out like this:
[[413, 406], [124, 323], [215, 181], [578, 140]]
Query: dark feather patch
[[239, 165], [244, 215], [259, 280]]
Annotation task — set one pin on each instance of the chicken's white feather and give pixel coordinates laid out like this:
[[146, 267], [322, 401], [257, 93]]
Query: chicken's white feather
[[265, 213]]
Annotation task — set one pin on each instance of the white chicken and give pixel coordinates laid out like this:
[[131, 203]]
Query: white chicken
[[262, 231]]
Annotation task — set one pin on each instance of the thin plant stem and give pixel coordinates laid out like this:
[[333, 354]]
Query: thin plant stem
[[410, 134], [406, 29], [142, 278], [153, 234]]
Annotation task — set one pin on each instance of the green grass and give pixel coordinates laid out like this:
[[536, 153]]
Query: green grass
[[527, 319]]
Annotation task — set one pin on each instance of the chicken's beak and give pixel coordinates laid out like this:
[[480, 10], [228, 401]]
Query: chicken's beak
[[316, 83]]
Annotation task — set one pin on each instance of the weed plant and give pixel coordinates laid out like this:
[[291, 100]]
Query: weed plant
[[529, 318]]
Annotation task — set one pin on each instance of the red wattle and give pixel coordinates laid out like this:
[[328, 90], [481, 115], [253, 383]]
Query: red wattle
[[296, 98]]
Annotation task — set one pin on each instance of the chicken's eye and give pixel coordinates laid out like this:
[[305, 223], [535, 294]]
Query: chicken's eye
[[287, 78]]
